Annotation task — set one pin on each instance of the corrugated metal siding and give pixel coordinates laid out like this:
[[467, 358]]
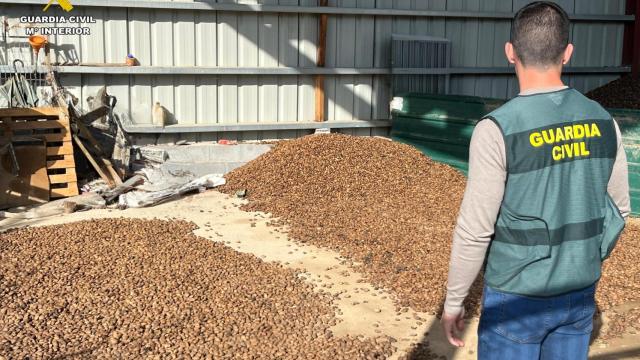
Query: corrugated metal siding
[[597, 44], [479, 43], [234, 39]]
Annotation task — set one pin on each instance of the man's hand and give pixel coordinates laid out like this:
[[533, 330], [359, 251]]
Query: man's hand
[[452, 325]]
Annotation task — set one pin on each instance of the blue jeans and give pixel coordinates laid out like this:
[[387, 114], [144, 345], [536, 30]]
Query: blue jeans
[[518, 327]]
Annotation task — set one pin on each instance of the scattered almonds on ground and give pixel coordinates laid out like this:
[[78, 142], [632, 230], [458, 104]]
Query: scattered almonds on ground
[[620, 283], [151, 289], [382, 204], [389, 209], [621, 323]]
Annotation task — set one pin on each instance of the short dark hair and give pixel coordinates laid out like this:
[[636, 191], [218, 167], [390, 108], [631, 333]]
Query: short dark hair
[[540, 33]]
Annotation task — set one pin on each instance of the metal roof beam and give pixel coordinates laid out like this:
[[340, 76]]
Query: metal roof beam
[[181, 129], [201, 6], [257, 71]]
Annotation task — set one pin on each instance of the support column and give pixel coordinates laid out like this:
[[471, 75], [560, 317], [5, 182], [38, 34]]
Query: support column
[[320, 62], [631, 50]]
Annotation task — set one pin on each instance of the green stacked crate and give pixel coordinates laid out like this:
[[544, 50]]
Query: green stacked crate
[[440, 126]]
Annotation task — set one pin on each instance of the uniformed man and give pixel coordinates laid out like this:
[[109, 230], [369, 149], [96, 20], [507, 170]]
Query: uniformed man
[[545, 203]]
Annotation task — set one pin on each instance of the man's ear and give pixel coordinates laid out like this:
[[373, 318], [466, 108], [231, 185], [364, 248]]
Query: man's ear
[[510, 52], [567, 54]]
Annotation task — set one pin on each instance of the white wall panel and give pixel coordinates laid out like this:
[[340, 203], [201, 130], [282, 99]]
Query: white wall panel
[[142, 98], [270, 40], [94, 51], [288, 41], [140, 35], [228, 57], [206, 99], [248, 44], [115, 35]]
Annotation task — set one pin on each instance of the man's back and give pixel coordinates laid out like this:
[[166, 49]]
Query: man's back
[[560, 150]]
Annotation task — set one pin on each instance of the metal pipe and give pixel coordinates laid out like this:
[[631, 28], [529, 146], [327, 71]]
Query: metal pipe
[[506, 70], [200, 6], [204, 128], [253, 71]]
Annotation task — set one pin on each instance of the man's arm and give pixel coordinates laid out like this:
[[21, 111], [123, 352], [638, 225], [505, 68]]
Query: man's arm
[[479, 211], [618, 187], [476, 221]]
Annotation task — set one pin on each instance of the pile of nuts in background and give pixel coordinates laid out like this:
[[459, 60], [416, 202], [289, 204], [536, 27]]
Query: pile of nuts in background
[[620, 282], [382, 204], [391, 210], [619, 286], [623, 93], [137, 289]]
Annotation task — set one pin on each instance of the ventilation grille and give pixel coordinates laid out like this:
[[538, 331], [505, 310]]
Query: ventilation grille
[[420, 64]]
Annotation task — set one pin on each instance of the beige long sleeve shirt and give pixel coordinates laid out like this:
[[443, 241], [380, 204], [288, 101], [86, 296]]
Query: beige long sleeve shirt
[[481, 205]]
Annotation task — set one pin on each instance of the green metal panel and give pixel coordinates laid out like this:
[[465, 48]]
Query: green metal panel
[[440, 126], [629, 122]]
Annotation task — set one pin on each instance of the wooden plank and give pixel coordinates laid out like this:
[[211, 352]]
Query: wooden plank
[[62, 137], [70, 190], [124, 187], [5, 124], [94, 163], [31, 186], [31, 112], [33, 120], [322, 37], [64, 119], [106, 163], [64, 163], [320, 98], [321, 61], [34, 125], [65, 149], [69, 177]]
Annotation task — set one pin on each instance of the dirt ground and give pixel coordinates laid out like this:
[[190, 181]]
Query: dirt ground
[[362, 309]]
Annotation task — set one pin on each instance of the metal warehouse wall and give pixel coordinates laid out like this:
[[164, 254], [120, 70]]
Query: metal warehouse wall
[[252, 66]]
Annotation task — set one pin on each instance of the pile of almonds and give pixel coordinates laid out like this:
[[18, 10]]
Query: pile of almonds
[[391, 210], [382, 204], [623, 93], [151, 289]]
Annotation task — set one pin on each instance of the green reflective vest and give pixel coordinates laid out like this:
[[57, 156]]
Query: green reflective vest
[[557, 223]]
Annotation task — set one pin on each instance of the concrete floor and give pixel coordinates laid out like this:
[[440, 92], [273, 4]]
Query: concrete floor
[[362, 309]]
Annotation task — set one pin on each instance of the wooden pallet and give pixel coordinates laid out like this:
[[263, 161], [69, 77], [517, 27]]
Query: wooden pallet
[[52, 125]]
